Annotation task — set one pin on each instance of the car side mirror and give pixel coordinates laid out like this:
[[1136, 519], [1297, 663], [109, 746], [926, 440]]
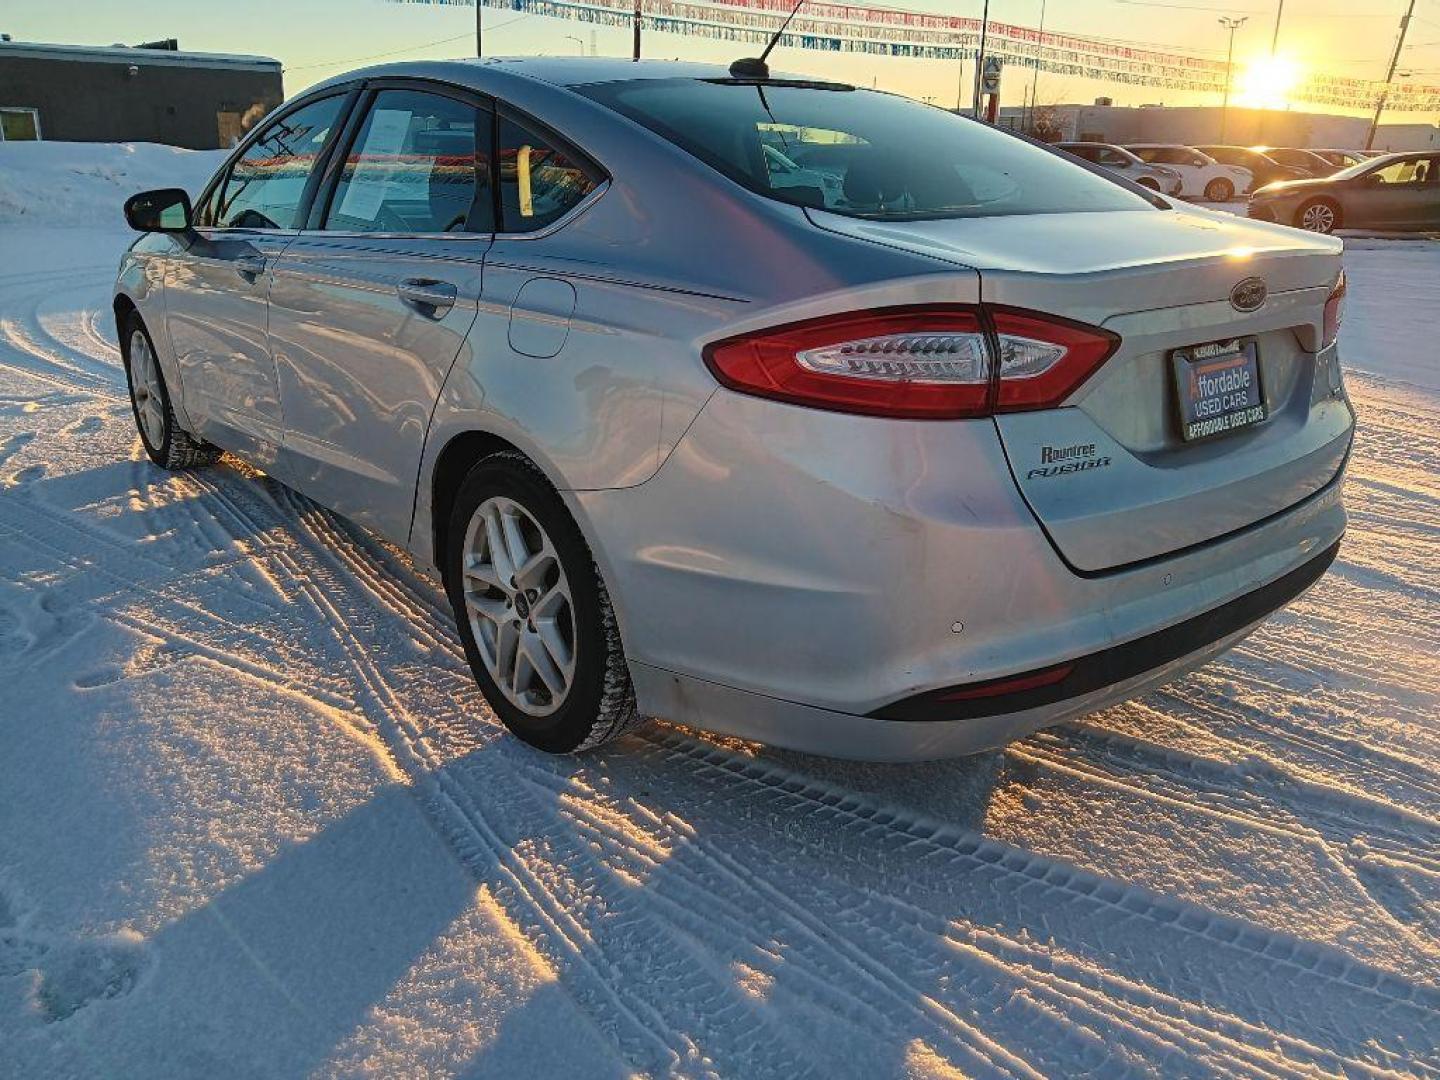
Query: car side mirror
[[163, 210]]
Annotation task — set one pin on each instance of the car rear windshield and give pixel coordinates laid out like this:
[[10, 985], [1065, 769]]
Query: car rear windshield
[[859, 152]]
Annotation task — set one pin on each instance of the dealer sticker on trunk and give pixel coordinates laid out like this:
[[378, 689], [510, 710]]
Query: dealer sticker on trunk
[[1219, 387]]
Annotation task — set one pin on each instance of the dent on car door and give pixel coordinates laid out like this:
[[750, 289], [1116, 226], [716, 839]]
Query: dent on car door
[[217, 289], [372, 303]]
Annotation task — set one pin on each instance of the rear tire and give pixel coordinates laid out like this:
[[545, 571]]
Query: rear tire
[[1146, 182], [1318, 216], [1219, 190], [166, 443], [533, 612]]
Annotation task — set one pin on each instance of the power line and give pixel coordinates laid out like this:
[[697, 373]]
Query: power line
[[405, 49]]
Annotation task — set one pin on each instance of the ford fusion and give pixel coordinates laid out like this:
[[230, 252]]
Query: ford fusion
[[780, 408]]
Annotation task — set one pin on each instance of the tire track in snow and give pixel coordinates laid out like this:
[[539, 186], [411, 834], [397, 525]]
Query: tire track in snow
[[359, 634]]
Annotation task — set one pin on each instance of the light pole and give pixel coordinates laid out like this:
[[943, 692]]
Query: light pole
[[479, 40], [1390, 75], [1035, 71], [980, 59], [578, 41], [1232, 25], [1275, 37]]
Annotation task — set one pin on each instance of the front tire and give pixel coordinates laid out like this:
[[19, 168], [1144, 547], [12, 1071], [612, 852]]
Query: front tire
[[1146, 182], [166, 443], [533, 612], [1219, 190], [1318, 216]]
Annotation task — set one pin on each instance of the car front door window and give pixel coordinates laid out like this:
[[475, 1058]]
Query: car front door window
[[266, 185]]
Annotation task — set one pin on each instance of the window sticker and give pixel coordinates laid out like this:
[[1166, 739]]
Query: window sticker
[[377, 167]]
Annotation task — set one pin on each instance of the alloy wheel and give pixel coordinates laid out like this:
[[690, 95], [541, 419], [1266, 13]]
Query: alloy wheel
[[1318, 218], [145, 390], [519, 605]]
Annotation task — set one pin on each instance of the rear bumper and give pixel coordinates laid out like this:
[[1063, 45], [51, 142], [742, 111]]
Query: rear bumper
[[790, 576], [1059, 684], [745, 714]]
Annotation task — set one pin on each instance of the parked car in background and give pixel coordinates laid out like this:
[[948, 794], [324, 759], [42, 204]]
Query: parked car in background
[[1342, 159], [979, 443], [1263, 169], [1397, 191], [1122, 162], [1202, 177], [1307, 160]]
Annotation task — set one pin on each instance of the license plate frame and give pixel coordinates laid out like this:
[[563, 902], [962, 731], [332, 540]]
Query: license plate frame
[[1218, 388]]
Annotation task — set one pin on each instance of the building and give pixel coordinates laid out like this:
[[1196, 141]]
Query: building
[[1192, 125], [156, 93]]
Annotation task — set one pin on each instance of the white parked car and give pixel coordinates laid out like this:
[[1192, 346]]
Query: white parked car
[[1201, 175]]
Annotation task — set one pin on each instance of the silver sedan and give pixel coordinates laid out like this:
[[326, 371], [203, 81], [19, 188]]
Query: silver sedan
[[782, 408]]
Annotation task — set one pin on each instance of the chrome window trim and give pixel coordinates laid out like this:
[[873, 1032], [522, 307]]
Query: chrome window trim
[[564, 219]]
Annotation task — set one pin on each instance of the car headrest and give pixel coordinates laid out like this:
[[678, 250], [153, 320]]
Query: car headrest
[[870, 180]]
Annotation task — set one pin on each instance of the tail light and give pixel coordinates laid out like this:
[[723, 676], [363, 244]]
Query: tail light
[[1334, 311], [930, 363]]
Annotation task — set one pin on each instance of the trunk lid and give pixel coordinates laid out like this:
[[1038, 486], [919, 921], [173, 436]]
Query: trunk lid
[[1162, 280]]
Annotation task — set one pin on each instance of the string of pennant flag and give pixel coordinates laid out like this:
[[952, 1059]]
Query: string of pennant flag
[[879, 31]]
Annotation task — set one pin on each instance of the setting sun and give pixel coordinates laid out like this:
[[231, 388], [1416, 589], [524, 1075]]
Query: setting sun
[[1267, 82]]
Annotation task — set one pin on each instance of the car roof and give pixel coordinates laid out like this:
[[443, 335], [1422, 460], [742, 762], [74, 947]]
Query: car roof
[[1405, 155], [563, 71]]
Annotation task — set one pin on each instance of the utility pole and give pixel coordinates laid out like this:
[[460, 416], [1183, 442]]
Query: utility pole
[[637, 30], [1035, 71], [980, 59], [1390, 75], [1232, 25], [479, 39]]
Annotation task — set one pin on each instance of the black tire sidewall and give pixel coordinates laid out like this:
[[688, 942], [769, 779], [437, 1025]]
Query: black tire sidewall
[[1220, 185], [160, 455], [571, 724]]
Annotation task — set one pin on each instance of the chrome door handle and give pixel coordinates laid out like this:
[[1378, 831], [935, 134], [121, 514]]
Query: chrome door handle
[[429, 297], [250, 267]]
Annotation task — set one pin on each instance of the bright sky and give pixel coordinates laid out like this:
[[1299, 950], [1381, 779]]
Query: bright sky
[[318, 38]]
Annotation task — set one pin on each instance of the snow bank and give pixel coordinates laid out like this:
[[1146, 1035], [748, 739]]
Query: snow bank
[[86, 184]]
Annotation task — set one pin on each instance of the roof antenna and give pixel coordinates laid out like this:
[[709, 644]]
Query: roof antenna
[[755, 67]]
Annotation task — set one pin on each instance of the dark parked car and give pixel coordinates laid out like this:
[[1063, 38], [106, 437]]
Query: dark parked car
[[1342, 159], [1308, 160], [1263, 167], [1397, 191]]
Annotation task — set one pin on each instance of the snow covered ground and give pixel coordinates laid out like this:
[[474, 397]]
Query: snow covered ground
[[256, 821]]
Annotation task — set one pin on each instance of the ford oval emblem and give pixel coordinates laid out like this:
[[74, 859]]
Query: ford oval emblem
[[1248, 295]]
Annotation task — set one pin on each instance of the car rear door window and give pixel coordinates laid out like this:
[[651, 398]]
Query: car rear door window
[[541, 178], [266, 185], [419, 164]]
